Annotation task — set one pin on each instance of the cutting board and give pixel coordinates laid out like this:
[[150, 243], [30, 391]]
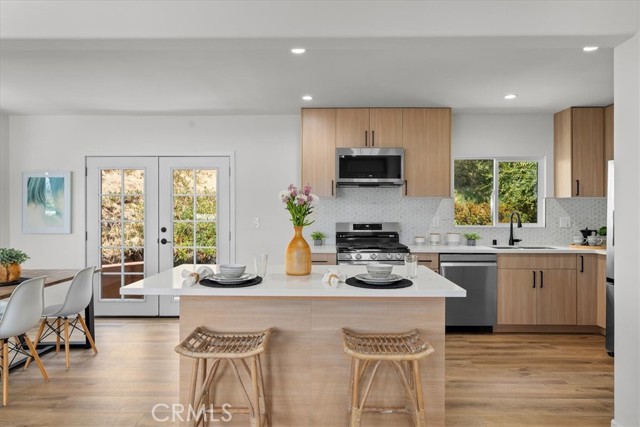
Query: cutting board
[[574, 246]]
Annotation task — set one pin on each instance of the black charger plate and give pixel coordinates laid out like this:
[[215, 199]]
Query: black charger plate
[[404, 283], [215, 284]]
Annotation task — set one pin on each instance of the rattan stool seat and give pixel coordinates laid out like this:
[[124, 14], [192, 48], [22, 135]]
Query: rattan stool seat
[[204, 343], [241, 352], [403, 351], [387, 346]]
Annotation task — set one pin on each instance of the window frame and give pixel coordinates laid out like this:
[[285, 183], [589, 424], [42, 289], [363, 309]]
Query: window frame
[[542, 174]]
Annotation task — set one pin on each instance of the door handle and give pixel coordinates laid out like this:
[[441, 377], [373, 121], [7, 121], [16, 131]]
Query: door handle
[[366, 138], [406, 186], [373, 138], [332, 187], [577, 187], [534, 279], [164, 241], [581, 264], [541, 279]]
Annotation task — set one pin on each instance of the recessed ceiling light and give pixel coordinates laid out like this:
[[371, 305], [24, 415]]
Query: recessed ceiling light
[[298, 50], [511, 96], [590, 48], [307, 98]]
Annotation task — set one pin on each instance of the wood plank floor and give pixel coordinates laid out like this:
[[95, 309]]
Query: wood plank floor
[[492, 380]]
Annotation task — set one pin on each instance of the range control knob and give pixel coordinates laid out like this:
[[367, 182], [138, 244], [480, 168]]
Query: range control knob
[[389, 256], [348, 256], [374, 256], [358, 256], [398, 256]]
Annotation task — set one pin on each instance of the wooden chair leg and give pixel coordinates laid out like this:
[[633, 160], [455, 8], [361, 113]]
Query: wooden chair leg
[[58, 331], [87, 333], [34, 354], [356, 411], [420, 415], [5, 372], [66, 343], [35, 343], [255, 393]]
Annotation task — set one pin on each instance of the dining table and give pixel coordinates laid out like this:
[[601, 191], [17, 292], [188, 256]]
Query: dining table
[[53, 277]]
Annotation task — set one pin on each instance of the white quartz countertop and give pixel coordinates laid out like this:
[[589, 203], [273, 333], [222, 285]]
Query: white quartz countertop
[[278, 284], [446, 249]]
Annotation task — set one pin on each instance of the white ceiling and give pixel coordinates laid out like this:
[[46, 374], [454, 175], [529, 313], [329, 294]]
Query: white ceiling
[[260, 76]]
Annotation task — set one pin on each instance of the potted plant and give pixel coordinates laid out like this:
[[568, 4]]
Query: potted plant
[[471, 238], [317, 237], [10, 260]]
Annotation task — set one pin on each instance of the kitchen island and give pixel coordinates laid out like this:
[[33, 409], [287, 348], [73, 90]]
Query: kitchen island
[[306, 370]]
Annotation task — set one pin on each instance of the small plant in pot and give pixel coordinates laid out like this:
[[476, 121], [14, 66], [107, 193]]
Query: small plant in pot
[[471, 238], [317, 237], [10, 260]]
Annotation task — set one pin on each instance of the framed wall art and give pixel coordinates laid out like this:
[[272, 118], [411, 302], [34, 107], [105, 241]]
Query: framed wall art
[[46, 202]]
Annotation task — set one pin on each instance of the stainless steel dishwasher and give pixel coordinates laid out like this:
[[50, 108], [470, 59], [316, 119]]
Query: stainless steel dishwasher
[[478, 275]]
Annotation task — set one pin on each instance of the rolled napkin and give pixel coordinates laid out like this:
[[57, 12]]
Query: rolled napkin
[[191, 278], [333, 278]]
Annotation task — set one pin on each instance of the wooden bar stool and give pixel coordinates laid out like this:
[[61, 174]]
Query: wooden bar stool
[[242, 348], [404, 351]]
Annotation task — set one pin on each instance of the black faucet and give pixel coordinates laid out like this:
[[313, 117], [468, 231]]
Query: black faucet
[[513, 241]]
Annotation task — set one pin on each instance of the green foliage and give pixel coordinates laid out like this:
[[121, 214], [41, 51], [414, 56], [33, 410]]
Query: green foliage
[[472, 236], [602, 231], [317, 235], [517, 191], [12, 256]]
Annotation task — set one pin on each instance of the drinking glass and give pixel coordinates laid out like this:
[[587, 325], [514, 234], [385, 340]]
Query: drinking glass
[[260, 263], [411, 266]]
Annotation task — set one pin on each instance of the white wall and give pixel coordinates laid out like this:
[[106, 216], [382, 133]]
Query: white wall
[[266, 161], [627, 233], [503, 135], [4, 180]]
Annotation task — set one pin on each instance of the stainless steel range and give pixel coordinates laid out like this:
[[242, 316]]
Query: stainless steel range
[[370, 243]]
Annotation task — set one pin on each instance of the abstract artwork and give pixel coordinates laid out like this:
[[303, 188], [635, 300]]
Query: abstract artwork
[[46, 202]]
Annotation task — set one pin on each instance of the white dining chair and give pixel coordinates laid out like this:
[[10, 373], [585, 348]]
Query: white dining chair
[[22, 312], [66, 316]]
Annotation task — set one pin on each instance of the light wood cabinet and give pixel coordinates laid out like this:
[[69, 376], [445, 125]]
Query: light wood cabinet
[[319, 150], [540, 291], [608, 142], [426, 138], [368, 127], [601, 291], [323, 259], [579, 152], [429, 259], [586, 288]]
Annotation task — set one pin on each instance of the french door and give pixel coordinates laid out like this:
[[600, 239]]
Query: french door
[[150, 214]]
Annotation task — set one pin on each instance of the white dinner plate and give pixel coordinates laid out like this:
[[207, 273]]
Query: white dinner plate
[[367, 278], [233, 281]]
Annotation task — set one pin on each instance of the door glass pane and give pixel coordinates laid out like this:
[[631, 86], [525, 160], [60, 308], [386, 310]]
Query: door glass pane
[[121, 237], [194, 216]]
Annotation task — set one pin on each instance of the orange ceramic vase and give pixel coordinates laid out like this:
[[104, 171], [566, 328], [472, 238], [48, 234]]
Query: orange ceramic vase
[[297, 260], [10, 273]]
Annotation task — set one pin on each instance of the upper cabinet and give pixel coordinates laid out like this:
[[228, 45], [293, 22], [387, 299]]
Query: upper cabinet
[[319, 150], [608, 142], [426, 138], [368, 127], [579, 152]]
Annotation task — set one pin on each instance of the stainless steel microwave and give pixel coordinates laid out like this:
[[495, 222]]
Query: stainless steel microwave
[[369, 167]]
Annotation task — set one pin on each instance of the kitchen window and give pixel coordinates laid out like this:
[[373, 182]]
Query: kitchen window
[[487, 191]]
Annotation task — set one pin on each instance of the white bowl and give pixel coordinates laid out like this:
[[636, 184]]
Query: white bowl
[[379, 271], [232, 271]]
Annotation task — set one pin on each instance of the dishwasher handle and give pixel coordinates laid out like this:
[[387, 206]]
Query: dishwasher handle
[[445, 265]]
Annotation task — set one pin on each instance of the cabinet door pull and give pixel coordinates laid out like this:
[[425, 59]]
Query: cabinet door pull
[[581, 264], [577, 187], [373, 138], [366, 139], [541, 279], [332, 187], [534, 279], [406, 186]]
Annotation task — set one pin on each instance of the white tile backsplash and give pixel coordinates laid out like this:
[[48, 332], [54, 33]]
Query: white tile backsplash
[[415, 216]]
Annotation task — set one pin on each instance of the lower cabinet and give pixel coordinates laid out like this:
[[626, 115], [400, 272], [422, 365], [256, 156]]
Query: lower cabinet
[[536, 297], [428, 259], [587, 292], [323, 259]]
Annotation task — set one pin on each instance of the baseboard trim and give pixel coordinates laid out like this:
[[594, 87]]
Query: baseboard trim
[[548, 329]]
